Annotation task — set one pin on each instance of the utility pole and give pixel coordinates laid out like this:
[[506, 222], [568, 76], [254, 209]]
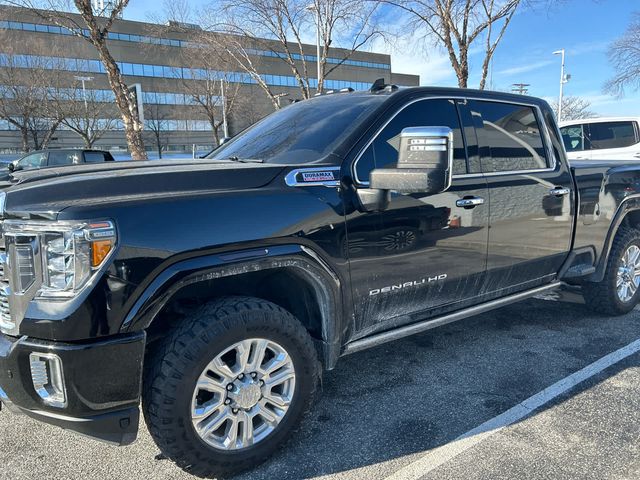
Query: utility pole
[[520, 88], [314, 8], [563, 79]]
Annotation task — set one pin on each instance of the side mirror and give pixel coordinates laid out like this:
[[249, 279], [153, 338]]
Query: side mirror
[[425, 162], [11, 167]]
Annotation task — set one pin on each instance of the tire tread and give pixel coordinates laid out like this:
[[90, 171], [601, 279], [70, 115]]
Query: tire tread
[[169, 361], [601, 296]]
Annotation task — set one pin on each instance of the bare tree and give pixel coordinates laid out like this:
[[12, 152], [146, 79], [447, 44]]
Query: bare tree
[[94, 26], [278, 28], [624, 55], [157, 124], [87, 113], [458, 24], [211, 87], [574, 108], [27, 97]]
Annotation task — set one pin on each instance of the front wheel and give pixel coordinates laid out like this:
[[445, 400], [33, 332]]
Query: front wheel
[[619, 291], [229, 386]]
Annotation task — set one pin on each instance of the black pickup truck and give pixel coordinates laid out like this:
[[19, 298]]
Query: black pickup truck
[[214, 293]]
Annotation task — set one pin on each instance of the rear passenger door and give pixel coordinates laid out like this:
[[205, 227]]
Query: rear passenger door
[[613, 140], [530, 195]]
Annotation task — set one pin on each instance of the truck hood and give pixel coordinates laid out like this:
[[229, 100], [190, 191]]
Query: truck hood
[[44, 193]]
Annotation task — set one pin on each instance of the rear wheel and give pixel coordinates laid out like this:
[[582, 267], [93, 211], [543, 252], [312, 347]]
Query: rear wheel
[[229, 386], [619, 290]]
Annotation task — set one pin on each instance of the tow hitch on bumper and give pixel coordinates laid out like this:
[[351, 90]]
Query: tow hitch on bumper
[[92, 388]]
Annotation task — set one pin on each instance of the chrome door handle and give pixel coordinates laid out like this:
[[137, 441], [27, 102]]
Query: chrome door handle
[[559, 191], [469, 202]]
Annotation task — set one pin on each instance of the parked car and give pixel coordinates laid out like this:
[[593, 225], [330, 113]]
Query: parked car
[[215, 292], [614, 138], [59, 158]]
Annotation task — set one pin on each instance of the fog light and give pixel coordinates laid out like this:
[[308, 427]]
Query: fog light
[[48, 380]]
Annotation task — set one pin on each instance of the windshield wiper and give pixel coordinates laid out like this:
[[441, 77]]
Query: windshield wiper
[[245, 160]]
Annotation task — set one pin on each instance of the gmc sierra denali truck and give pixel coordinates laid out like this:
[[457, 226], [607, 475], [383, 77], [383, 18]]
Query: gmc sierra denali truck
[[214, 293]]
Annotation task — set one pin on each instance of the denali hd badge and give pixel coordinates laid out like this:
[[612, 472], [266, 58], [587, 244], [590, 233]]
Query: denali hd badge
[[327, 176], [400, 286]]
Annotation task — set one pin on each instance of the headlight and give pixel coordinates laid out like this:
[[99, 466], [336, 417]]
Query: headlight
[[58, 257]]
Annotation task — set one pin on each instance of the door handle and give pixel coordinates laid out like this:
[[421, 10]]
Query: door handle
[[469, 202], [636, 155], [559, 191]]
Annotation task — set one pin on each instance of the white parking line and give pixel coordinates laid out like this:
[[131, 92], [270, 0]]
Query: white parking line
[[441, 455]]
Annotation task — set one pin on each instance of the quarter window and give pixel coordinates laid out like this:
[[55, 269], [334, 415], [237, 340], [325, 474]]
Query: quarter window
[[383, 151], [512, 135], [93, 157]]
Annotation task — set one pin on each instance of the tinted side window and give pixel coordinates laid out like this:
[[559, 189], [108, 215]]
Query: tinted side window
[[573, 138], [383, 151], [93, 157], [512, 133], [62, 158], [612, 135], [35, 160]]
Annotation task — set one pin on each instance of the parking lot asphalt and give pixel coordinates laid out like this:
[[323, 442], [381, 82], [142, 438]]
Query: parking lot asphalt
[[384, 411]]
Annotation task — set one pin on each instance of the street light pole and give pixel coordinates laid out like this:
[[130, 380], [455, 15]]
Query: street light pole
[[84, 91], [562, 82], [314, 8], [225, 125]]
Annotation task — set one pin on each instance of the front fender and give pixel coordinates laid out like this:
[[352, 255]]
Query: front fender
[[310, 266]]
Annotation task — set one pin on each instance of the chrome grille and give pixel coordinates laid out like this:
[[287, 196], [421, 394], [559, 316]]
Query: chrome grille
[[5, 314]]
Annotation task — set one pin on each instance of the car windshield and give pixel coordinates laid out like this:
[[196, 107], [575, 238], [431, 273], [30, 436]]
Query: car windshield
[[304, 132]]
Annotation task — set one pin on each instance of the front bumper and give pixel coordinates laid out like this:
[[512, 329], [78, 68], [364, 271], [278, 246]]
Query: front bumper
[[102, 379]]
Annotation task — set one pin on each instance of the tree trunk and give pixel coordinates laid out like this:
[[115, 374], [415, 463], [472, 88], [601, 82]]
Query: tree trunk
[[158, 142], [128, 108], [134, 140], [214, 128], [24, 132]]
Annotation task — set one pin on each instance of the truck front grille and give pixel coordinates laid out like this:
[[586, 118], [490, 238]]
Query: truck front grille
[[5, 314]]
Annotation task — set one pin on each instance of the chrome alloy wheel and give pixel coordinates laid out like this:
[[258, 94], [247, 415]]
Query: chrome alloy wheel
[[628, 276], [243, 394]]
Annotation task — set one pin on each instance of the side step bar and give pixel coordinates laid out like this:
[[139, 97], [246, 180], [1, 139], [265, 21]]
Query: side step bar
[[384, 337]]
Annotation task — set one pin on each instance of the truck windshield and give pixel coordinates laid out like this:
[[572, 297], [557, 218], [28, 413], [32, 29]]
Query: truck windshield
[[304, 132]]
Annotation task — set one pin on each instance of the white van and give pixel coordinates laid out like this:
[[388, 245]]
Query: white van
[[613, 138]]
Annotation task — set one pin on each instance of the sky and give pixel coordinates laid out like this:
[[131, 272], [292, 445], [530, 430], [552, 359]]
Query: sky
[[584, 28]]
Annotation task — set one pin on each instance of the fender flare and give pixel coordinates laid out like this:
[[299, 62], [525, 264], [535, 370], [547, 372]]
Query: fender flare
[[628, 204], [307, 263]]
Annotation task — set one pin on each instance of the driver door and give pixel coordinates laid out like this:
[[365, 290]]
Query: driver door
[[424, 254]]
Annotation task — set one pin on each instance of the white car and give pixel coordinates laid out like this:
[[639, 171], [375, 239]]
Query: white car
[[613, 138]]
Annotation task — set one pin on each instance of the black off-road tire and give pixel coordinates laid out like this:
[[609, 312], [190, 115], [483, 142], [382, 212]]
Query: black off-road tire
[[602, 297], [176, 363]]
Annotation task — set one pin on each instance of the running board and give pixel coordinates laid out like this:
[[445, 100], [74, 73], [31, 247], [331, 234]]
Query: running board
[[380, 338]]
